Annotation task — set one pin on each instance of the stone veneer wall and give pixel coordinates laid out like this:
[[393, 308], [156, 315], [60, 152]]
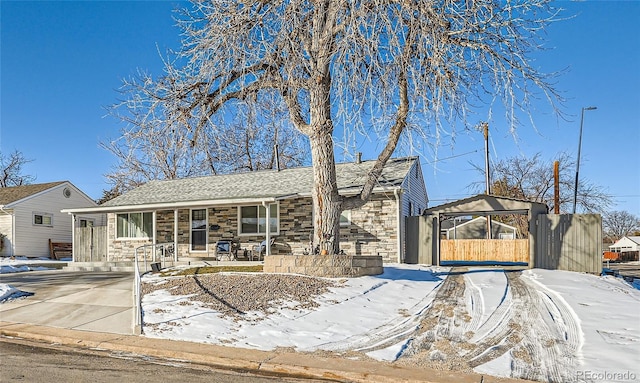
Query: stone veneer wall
[[372, 230], [331, 266], [119, 250]]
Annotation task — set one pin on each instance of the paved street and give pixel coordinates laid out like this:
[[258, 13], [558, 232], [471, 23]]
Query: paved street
[[28, 362], [91, 301]]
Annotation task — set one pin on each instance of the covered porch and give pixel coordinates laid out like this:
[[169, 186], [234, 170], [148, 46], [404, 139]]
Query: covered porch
[[238, 230]]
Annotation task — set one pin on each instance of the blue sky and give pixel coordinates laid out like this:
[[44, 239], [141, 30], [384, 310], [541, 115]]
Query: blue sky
[[62, 61]]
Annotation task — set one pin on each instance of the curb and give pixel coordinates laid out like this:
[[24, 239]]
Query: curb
[[295, 365]]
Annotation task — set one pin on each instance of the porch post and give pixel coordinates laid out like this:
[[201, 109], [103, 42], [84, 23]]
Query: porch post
[[154, 240], [267, 209], [438, 241], [175, 235], [73, 237]]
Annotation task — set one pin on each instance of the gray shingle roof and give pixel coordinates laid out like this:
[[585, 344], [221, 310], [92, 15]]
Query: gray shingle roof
[[16, 193], [260, 184]]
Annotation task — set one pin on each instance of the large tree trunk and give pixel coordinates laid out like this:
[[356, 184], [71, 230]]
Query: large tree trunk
[[327, 204], [326, 201]]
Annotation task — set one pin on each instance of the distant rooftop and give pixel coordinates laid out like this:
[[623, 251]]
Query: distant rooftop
[[16, 193]]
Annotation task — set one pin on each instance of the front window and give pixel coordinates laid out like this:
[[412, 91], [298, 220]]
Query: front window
[[253, 219], [134, 225]]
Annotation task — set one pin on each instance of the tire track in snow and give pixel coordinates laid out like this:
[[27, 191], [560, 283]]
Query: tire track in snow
[[532, 323], [389, 333], [498, 333], [550, 334], [442, 332]]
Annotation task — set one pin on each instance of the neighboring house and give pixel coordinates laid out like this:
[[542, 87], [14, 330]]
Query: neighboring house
[[624, 244], [476, 228], [30, 216], [195, 213]]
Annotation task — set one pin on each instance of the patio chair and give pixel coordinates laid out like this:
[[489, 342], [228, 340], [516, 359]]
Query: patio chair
[[224, 249], [260, 250]]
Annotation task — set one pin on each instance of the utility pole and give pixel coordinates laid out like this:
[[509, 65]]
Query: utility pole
[[486, 171], [486, 157], [556, 187]]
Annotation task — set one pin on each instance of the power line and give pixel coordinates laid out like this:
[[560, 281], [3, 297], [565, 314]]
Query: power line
[[448, 158]]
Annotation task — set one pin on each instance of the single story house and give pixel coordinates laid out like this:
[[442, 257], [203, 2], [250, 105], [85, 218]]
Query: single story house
[[625, 244], [195, 214], [476, 228], [30, 217]]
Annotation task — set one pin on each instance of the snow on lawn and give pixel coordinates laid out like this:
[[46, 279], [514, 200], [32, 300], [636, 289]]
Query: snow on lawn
[[538, 324], [609, 317], [22, 264], [365, 307]]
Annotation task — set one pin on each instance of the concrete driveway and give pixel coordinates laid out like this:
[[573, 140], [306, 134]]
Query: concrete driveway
[[90, 301]]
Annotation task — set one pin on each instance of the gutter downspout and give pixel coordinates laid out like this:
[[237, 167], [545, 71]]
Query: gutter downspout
[[267, 244], [13, 230], [398, 223]]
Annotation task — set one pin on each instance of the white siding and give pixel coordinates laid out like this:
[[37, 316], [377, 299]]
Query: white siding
[[415, 191], [624, 244], [414, 197], [6, 228], [33, 240]]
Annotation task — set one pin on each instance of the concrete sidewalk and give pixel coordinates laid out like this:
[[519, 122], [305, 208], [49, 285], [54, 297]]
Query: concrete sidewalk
[[93, 301], [260, 362]]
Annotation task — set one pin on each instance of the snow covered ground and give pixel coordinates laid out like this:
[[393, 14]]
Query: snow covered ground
[[541, 325], [21, 264], [550, 326]]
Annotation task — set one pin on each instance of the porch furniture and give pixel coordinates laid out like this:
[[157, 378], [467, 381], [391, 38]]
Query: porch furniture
[[243, 254], [224, 251], [58, 250], [258, 251]]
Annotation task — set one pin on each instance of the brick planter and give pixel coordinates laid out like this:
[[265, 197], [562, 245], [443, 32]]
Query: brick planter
[[324, 265]]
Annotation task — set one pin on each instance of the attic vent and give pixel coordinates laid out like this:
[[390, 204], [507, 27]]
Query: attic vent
[[66, 192]]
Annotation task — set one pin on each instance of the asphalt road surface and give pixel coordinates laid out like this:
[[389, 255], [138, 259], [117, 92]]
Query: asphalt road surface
[[24, 361]]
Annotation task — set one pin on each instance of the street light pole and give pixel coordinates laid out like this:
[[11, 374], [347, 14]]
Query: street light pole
[[575, 188]]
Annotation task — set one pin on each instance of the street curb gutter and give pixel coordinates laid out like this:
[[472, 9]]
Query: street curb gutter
[[239, 359]]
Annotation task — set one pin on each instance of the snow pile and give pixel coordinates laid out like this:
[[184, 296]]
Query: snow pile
[[8, 292]]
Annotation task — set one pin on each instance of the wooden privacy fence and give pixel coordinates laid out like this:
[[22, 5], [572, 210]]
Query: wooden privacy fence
[[90, 244], [485, 250]]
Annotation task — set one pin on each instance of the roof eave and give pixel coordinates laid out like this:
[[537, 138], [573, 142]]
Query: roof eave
[[169, 205]]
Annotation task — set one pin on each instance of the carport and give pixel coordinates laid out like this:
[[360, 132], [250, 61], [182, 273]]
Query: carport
[[425, 246]]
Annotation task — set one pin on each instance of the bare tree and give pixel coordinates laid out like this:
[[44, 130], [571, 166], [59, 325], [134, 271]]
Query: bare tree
[[617, 224], [381, 66], [150, 149], [11, 168], [531, 178]]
